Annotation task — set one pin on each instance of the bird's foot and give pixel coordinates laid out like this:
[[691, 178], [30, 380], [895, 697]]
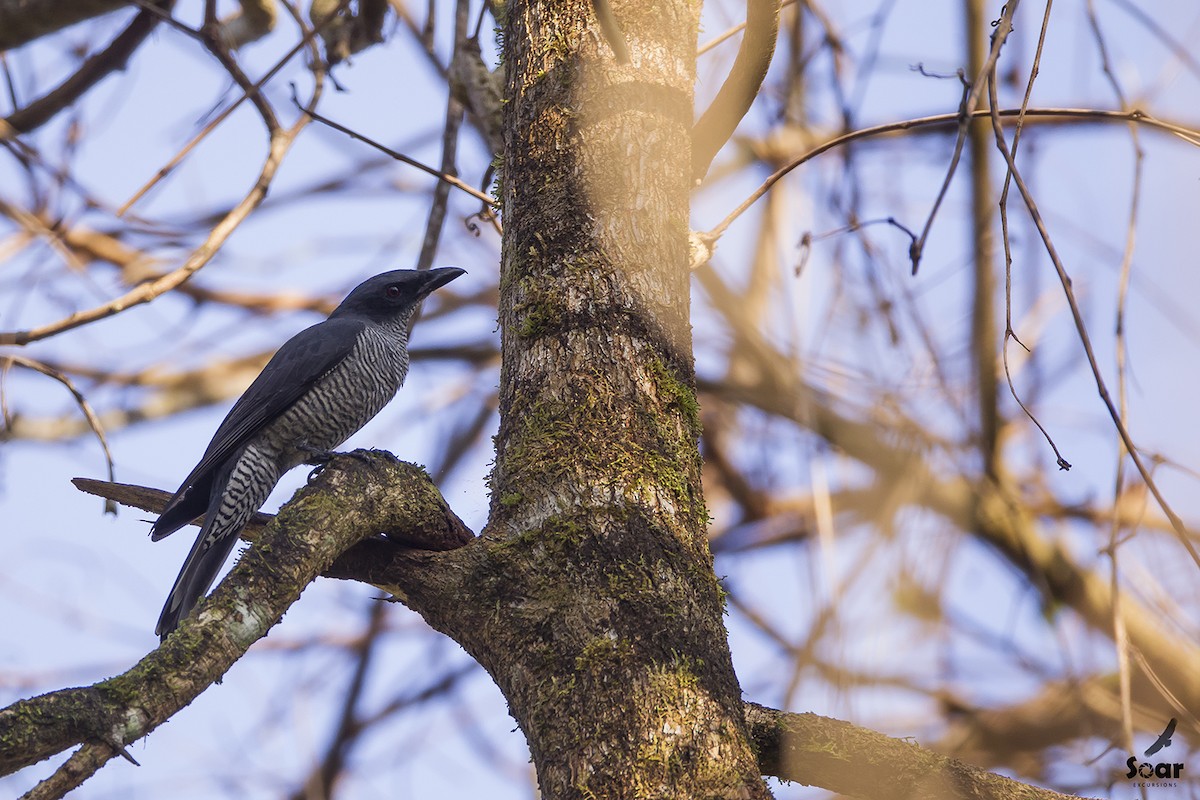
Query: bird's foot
[[316, 456], [367, 455], [320, 458]]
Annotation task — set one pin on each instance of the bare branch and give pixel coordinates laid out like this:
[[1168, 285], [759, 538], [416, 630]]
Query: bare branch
[[861, 763], [200, 256], [737, 93], [22, 21], [973, 94], [85, 407], [1188, 134], [450, 179], [351, 501], [96, 68]]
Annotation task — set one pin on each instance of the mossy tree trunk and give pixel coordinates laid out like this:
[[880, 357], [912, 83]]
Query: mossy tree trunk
[[598, 612]]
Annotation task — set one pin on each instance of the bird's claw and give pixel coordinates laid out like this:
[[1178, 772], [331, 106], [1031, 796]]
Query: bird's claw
[[320, 458], [317, 456]]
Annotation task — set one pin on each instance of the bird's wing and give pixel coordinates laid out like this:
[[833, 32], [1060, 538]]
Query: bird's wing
[[291, 372]]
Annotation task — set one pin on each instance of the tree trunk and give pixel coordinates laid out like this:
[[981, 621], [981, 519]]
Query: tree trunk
[[596, 608]]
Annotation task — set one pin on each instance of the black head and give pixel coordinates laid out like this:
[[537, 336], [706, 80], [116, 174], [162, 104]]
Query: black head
[[394, 294]]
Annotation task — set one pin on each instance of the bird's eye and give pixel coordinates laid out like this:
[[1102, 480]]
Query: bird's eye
[[392, 291]]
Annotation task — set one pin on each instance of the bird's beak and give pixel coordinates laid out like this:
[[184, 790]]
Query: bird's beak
[[437, 278]]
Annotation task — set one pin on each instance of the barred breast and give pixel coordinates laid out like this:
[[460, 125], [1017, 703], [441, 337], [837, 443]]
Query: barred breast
[[341, 402]]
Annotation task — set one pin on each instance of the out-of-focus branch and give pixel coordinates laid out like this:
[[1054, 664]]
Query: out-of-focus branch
[[480, 90], [320, 782], [984, 339], [22, 21], [993, 509], [1115, 533], [454, 118], [999, 516], [92, 71], [737, 93], [172, 392], [1018, 735], [318, 785]]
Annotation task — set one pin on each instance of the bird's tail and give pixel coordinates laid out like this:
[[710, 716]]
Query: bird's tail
[[199, 571]]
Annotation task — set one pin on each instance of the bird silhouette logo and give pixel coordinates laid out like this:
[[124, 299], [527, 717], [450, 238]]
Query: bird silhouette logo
[[1164, 739]]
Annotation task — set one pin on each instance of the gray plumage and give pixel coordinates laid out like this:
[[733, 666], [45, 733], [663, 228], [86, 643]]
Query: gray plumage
[[324, 384]]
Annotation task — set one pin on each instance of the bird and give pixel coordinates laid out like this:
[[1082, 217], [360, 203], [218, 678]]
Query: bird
[[1164, 738], [320, 387]]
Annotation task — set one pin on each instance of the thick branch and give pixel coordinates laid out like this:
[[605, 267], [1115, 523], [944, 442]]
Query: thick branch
[[353, 498], [854, 761], [23, 21]]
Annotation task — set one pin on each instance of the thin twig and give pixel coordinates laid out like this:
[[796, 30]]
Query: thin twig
[[969, 103], [214, 42], [1085, 339], [146, 292], [170, 166], [806, 241], [450, 179], [1189, 135], [93, 421], [165, 16], [1009, 333]]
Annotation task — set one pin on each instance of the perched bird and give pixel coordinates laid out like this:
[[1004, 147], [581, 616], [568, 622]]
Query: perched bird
[[324, 384]]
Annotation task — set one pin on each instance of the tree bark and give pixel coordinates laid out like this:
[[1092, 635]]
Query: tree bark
[[852, 761]]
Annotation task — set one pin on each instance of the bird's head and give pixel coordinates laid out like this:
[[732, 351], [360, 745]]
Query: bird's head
[[394, 295]]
